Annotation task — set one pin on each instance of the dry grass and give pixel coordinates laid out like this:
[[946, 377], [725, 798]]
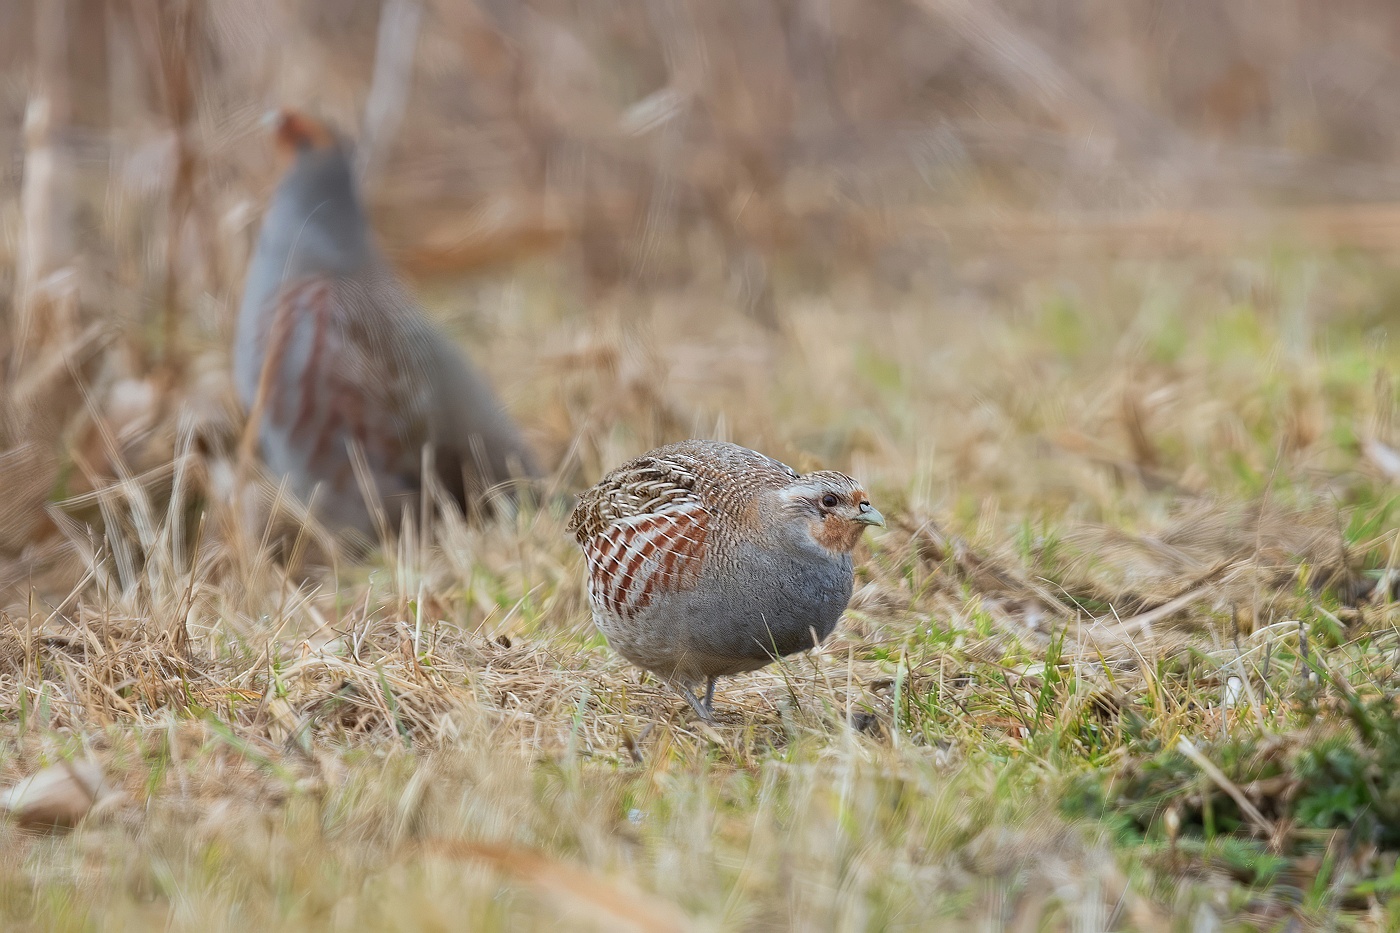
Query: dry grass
[[1110, 496], [1124, 659]]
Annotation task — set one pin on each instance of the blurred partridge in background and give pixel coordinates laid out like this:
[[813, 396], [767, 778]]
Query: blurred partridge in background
[[707, 559], [333, 358]]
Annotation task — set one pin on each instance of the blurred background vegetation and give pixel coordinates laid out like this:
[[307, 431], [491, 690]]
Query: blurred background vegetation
[[754, 153], [644, 144]]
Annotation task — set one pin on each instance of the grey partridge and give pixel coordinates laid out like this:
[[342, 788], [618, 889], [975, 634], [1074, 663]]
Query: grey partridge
[[707, 559], [333, 359]]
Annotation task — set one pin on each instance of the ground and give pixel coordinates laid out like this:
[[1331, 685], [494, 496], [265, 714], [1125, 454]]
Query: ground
[[1123, 659]]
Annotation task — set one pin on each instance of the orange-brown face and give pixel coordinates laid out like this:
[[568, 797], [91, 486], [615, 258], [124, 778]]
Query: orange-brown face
[[294, 132], [836, 508], [844, 519]]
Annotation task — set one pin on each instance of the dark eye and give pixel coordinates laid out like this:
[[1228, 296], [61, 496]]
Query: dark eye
[[829, 501]]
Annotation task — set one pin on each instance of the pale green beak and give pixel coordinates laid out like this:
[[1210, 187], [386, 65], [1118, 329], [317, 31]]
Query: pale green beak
[[869, 515]]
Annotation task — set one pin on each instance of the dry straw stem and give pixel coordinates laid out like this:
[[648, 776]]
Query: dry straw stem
[[1261, 824], [44, 288], [399, 21], [170, 34]]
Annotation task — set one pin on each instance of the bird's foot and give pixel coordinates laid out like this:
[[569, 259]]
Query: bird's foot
[[704, 708]]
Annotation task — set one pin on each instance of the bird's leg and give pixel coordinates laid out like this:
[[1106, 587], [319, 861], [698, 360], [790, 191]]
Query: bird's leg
[[700, 706], [710, 696]]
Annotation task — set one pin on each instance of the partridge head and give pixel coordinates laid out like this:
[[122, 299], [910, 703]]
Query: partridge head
[[706, 559], [335, 363]]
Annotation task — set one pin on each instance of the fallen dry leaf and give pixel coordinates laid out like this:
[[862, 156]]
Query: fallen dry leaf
[[57, 796], [614, 900]]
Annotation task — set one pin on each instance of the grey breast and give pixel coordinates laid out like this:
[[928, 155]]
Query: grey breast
[[791, 604]]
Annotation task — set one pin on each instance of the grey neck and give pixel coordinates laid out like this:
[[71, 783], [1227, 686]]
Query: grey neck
[[315, 221], [792, 534]]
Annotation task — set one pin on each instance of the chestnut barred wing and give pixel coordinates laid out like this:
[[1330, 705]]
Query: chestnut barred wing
[[634, 560], [337, 382]]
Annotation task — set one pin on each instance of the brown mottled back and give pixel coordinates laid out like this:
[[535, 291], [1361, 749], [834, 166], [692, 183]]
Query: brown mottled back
[[723, 477]]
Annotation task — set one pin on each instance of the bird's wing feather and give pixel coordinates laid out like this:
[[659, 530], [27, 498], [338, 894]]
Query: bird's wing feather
[[349, 386], [636, 558], [722, 477], [637, 489]]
